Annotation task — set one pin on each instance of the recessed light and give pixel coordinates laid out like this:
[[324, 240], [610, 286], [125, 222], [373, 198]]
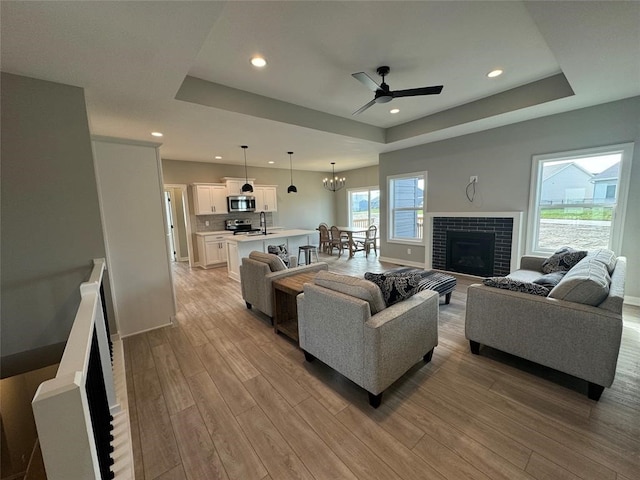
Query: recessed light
[[218, 157], [271, 162], [494, 73], [156, 134], [258, 62], [394, 110]]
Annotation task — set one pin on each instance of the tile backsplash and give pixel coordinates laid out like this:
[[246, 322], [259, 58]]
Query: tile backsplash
[[217, 222]]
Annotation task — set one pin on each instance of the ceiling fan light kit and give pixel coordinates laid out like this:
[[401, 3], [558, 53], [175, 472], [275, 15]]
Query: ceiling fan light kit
[[334, 183], [384, 94], [292, 188], [247, 187]]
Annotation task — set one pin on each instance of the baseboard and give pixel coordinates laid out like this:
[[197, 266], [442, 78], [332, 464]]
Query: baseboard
[[402, 262], [171, 322], [635, 301]]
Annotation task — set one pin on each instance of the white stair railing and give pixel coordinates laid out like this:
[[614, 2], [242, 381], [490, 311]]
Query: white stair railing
[[75, 412]]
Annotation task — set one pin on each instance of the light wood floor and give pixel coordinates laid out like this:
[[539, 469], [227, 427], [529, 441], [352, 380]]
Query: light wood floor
[[219, 395]]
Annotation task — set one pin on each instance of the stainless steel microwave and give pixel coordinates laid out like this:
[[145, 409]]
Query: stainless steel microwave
[[241, 203]]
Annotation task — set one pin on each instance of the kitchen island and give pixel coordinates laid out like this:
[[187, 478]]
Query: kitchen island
[[240, 246]]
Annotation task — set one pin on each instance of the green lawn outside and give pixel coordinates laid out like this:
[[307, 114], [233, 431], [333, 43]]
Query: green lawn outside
[[577, 213]]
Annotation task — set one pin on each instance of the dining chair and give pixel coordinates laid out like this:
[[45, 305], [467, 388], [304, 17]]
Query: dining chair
[[338, 240], [371, 240], [325, 237]]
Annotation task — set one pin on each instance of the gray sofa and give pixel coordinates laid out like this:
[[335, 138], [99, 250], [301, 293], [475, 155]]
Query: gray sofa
[[257, 273], [576, 329], [344, 322]]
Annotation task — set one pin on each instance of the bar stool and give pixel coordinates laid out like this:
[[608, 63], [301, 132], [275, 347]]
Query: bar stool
[[308, 250]]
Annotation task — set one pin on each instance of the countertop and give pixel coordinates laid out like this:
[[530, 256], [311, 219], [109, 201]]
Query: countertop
[[274, 235], [220, 232], [229, 232]]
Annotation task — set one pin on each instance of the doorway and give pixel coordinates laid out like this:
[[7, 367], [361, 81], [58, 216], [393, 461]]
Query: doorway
[[178, 229], [364, 207], [169, 229]]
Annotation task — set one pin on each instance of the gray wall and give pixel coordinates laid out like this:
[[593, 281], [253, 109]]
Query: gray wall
[[305, 209], [50, 218], [361, 177], [502, 157]]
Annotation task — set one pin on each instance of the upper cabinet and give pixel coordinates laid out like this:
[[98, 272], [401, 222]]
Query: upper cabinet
[[234, 185], [210, 199], [266, 198]]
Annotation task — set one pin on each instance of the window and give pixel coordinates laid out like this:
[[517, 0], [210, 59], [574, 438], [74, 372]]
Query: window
[[611, 192], [406, 207], [364, 207], [578, 199]]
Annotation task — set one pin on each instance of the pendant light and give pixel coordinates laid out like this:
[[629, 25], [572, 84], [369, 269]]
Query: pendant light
[[334, 183], [247, 187], [292, 188]]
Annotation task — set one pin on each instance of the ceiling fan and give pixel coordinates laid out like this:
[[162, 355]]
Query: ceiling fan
[[382, 92]]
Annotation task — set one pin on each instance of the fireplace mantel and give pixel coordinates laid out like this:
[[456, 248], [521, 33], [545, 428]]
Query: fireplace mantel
[[516, 234]]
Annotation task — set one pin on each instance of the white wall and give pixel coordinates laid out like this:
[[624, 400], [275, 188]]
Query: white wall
[[130, 189], [501, 157]]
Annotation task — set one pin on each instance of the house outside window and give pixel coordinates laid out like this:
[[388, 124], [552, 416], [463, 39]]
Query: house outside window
[[578, 199], [364, 207], [406, 207]]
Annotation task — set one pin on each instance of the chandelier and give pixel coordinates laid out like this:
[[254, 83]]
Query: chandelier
[[334, 183]]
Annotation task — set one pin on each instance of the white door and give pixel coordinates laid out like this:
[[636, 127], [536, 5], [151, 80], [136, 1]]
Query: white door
[[169, 227]]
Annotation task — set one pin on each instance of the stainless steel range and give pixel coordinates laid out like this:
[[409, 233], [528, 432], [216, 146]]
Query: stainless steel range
[[241, 226]]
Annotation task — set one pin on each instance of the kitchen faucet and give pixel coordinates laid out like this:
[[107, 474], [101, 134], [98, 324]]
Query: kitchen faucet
[[263, 223]]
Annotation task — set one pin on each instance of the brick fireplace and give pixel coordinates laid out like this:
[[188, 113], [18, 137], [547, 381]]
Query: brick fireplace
[[488, 243]]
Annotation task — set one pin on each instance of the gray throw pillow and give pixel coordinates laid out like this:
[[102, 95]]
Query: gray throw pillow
[[507, 283], [395, 287], [550, 280], [587, 283], [564, 259]]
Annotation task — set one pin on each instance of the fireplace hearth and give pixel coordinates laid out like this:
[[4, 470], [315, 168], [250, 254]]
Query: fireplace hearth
[[507, 227], [470, 252]]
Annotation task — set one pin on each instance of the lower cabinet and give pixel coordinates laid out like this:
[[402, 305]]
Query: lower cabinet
[[212, 250]]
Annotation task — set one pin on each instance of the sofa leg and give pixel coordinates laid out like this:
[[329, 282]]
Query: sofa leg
[[248, 305], [594, 391], [475, 347], [375, 400], [428, 356], [308, 357], [447, 298]]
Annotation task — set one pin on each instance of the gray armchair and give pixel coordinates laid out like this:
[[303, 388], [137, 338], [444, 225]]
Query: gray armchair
[[257, 273], [343, 322]]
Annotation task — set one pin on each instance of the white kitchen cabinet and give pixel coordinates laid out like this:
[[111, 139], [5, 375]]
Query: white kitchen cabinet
[[209, 199], [234, 185], [266, 198], [212, 249]]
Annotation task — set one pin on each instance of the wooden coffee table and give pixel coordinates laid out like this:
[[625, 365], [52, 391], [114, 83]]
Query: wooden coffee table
[[285, 308]]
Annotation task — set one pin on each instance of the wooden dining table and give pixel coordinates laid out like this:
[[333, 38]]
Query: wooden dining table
[[350, 231]]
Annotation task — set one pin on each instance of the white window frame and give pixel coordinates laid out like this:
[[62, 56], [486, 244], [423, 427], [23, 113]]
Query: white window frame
[[391, 209], [360, 190], [617, 231]]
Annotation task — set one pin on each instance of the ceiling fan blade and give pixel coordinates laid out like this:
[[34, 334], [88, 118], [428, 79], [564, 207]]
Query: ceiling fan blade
[[366, 80], [412, 92], [364, 107]]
